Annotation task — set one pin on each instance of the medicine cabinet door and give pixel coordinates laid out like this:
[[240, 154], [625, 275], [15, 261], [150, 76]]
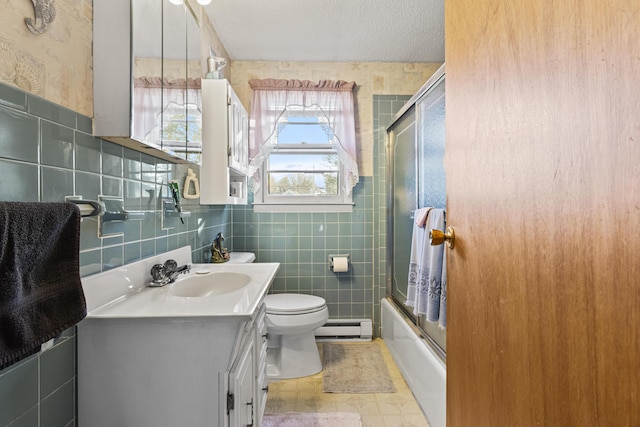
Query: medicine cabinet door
[[238, 134]]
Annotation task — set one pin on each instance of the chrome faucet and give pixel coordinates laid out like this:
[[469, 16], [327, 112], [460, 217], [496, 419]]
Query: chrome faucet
[[163, 274]]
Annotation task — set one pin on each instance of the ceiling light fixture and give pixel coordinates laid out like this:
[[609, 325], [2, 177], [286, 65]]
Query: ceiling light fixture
[[204, 2], [176, 2]]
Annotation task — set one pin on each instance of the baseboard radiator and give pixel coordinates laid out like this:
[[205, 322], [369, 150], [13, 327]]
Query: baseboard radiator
[[345, 330]]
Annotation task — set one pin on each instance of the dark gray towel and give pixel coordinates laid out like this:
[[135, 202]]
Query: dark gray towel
[[40, 288]]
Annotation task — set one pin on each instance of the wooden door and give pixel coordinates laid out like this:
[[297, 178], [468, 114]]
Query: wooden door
[[543, 187]]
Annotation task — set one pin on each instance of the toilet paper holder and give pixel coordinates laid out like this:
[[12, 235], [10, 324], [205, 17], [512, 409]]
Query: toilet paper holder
[[331, 263]]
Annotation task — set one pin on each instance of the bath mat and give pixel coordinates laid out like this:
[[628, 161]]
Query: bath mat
[[355, 368], [308, 419]]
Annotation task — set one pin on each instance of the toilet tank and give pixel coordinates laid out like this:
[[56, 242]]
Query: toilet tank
[[241, 257]]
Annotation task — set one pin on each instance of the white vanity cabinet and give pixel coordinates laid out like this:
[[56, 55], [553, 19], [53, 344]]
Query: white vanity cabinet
[[190, 371], [225, 145]]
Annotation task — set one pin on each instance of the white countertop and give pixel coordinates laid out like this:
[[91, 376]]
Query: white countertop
[[123, 292], [158, 302]]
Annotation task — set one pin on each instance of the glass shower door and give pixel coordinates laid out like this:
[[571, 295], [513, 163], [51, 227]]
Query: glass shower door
[[405, 198], [417, 142]]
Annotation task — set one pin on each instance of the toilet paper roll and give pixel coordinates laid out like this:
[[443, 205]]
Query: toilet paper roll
[[340, 264]]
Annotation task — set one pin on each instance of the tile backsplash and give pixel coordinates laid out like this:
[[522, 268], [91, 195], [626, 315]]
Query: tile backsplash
[[47, 152], [302, 242]]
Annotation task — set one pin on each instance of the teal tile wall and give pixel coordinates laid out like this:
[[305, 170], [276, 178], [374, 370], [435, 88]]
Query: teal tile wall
[[302, 242], [385, 108], [47, 152]]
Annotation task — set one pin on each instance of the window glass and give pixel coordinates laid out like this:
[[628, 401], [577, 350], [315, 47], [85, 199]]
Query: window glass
[[303, 168], [303, 130], [304, 164], [303, 174]]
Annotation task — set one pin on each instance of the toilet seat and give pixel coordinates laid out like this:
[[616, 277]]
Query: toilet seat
[[294, 304]]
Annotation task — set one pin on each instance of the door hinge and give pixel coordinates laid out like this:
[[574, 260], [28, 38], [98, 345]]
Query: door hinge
[[250, 412], [230, 402]]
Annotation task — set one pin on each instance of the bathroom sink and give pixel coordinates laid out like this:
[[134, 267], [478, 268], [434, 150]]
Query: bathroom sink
[[207, 290], [207, 284]]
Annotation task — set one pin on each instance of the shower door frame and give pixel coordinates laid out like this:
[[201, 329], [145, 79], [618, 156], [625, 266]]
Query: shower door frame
[[415, 321]]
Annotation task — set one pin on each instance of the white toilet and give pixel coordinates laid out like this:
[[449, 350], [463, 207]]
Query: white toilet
[[291, 322]]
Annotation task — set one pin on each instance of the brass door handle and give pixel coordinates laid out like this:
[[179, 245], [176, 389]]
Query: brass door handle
[[437, 237]]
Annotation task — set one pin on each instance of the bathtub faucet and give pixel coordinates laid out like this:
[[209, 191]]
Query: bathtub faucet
[[166, 273]]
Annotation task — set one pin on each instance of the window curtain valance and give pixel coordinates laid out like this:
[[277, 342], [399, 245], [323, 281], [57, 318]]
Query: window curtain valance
[[276, 98], [308, 85], [159, 83]]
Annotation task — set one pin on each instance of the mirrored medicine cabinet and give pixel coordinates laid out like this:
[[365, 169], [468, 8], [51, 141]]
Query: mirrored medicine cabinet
[[147, 77]]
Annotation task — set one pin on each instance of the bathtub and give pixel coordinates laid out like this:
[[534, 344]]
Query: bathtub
[[424, 372]]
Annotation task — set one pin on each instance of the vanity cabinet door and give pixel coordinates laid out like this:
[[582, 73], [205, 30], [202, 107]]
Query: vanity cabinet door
[[240, 398], [261, 366]]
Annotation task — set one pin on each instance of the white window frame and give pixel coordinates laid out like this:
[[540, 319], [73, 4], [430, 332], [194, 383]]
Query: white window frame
[[265, 202]]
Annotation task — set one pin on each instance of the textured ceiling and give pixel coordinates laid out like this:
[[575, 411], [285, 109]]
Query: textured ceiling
[[330, 30]]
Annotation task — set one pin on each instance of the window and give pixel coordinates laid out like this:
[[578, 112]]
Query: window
[[303, 168], [302, 145]]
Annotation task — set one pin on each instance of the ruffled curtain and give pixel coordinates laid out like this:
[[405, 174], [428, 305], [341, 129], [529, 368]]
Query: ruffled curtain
[[275, 99], [151, 95]]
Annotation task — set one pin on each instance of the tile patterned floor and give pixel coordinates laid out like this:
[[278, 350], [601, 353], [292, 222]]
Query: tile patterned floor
[[376, 409]]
